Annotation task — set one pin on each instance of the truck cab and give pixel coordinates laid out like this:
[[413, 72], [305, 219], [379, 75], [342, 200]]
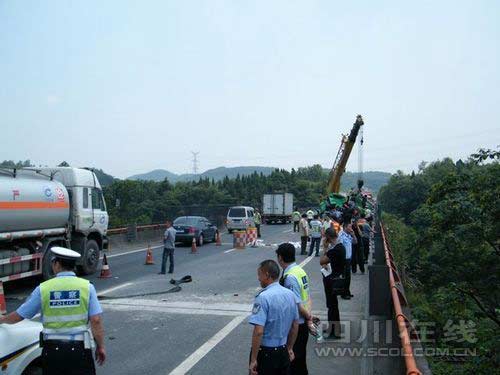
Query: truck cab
[[45, 207], [89, 218]]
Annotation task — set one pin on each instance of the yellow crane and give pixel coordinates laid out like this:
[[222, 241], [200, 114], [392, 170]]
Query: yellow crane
[[343, 154]]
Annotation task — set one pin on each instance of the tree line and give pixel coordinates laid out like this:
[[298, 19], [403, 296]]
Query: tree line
[[147, 202], [444, 226]]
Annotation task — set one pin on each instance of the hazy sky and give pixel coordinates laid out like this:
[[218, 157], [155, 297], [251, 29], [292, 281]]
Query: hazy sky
[[131, 86]]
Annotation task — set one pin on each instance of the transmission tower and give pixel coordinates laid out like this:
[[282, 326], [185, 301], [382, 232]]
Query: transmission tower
[[195, 162]]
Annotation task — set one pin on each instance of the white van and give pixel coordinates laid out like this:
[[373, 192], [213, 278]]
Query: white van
[[240, 218]]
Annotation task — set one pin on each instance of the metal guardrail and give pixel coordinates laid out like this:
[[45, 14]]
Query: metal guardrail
[[399, 300], [140, 228]]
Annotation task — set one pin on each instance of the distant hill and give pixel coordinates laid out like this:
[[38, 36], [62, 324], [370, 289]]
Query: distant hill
[[155, 175], [373, 180], [104, 178], [216, 173]]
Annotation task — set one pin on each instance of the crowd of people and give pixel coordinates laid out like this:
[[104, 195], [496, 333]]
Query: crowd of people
[[281, 313]]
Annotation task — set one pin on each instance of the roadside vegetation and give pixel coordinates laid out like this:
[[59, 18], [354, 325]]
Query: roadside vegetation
[[444, 226]]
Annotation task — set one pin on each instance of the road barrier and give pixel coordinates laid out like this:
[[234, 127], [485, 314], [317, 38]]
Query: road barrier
[[239, 239], [251, 234], [406, 331], [140, 228]]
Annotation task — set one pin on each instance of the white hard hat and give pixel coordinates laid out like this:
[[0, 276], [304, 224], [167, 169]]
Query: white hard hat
[[63, 253]]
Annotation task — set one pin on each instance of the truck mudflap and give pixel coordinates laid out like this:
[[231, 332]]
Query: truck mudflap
[[105, 243]]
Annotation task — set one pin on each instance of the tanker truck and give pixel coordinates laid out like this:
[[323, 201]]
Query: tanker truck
[[45, 207]]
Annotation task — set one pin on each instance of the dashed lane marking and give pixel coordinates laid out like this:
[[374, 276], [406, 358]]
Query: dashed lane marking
[[131, 252], [305, 261], [109, 290], [228, 251], [287, 231]]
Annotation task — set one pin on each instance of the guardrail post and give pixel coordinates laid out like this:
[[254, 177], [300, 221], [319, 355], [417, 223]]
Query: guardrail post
[[131, 232]]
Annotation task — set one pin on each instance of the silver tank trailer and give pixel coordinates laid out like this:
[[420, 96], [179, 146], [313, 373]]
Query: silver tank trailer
[[30, 203]]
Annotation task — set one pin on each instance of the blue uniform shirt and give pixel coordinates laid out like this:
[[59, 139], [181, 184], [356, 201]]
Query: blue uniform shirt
[[275, 309], [346, 240], [292, 283], [33, 304]]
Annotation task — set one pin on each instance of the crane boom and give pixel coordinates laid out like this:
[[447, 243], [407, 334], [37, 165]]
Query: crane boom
[[343, 154]]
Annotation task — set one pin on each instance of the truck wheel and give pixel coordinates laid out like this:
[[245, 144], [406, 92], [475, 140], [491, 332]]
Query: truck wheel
[[90, 258]]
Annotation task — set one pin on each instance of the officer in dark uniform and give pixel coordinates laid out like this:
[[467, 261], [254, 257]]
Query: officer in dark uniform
[[275, 317], [67, 305]]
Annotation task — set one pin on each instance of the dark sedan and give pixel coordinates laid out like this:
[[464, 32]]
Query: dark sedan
[[198, 227]]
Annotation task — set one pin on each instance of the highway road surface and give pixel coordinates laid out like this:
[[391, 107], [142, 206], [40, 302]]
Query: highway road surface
[[203, 328]]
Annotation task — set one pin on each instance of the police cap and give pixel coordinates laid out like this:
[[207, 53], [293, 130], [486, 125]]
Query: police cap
[[63, 253]]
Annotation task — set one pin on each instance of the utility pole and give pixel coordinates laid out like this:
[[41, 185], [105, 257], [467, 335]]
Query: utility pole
[[195, 162]]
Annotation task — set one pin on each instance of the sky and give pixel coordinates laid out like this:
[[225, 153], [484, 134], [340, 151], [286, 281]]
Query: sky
[[131, 86]]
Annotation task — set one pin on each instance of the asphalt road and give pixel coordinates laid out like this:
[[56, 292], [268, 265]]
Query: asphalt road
[[203, 328]]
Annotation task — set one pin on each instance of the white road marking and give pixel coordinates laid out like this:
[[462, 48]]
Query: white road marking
[[228, 251], [287, 231], [114, 288], [305, 261], [203, 350], [131, 252]]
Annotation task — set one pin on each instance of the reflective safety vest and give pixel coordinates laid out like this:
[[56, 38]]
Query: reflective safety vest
[[310, 214], [303, 281], [65, 305], [296, 216], [257, 218]]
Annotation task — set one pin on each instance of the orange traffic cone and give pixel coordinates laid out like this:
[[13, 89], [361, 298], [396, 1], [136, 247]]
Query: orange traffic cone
[[105, 271], [218, 241], [193, 246], [149, 257], [3, 304]]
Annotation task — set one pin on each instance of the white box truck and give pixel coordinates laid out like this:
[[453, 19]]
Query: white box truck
[[277, 208], [45, 207]]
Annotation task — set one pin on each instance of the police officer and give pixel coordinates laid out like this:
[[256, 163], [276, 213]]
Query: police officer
[[296, 279], [310, 216], [67, 305], [275, 318], [296, 220], [258, 221]]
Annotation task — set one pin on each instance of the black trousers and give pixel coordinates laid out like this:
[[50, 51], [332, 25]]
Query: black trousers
[[303, 245], [332, 304], [315, 242], [296, 226], [299, 364], [347, 275], [366, 247], [67, 358], [167, 253], [273, 361], [258, 230], [358, 259]]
